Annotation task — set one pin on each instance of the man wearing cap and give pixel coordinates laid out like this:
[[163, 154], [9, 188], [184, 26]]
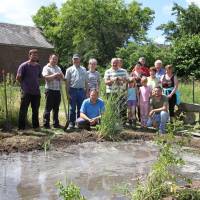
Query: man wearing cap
[[28, 75], [76, 88]]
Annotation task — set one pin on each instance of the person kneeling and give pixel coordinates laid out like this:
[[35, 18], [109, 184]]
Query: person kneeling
[[91, 110], [158, 115]]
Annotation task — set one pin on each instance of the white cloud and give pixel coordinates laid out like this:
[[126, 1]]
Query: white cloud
[[197, 2], [20, 11], [159, 39], [167, 9]]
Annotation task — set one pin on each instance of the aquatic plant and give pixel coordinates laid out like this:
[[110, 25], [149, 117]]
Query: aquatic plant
[[69, 192], [161, 182]]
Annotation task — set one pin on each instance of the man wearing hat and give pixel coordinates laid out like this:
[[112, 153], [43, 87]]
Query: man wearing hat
[[76, 88]]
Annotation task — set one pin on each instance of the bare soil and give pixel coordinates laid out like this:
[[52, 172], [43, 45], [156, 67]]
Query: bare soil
[[30, 140]]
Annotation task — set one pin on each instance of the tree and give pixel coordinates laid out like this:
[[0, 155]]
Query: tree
[[150, 51], [186, 55], [46, 19], [93, 28], [187, 22]]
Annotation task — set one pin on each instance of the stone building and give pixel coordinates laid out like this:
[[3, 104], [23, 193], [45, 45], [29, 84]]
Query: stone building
[[15, 43]]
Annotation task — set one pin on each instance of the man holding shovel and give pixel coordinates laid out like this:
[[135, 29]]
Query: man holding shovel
[[76, 88]]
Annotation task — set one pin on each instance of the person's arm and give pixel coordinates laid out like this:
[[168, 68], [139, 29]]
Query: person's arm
[[108, 80], [175, 87], [163, 108], [67, 83], [18, 78], [20, 73], [98, 81], [86, 84], [84, 116], [51, 77]]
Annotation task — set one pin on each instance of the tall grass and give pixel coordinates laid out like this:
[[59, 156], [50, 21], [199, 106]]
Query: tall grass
[[9, 98], [186, 90], [111, 122], [161, 182]]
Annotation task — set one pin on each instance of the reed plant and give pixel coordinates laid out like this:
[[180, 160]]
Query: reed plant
[[111, 122], [9, 98], [162, 181]]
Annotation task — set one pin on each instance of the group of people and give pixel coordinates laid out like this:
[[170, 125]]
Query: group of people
[[79, 85], [151, 92], [147, 93]]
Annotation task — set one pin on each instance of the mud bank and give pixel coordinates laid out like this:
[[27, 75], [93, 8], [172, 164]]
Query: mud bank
[[30, 140]]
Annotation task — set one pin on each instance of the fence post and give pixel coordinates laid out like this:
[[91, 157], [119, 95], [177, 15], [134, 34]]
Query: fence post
[[5, 94], [192, 88]]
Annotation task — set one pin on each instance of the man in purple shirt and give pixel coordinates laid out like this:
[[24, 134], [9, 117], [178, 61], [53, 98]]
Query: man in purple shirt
[[28, 75]]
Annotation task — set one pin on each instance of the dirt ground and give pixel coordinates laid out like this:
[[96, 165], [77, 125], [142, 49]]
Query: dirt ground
[[30, 140]]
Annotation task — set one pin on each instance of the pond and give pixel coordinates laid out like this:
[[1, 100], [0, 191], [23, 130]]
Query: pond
[[97, 168]]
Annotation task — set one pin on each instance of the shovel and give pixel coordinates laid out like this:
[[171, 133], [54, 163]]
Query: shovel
[[66, 110]]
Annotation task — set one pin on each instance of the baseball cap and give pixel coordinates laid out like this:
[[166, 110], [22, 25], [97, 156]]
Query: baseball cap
[[75, 56]]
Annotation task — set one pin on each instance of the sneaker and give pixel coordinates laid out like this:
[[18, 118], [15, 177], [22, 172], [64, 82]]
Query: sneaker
[[70, 127]]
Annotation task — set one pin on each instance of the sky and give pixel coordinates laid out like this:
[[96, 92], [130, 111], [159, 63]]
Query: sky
[[20, 12]]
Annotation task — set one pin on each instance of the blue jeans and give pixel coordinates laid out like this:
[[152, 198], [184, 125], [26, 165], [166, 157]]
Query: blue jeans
[[77, 96], [161, 119]]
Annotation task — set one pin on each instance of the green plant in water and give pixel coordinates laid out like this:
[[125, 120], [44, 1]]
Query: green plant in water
[[69, 192], [161, 182]]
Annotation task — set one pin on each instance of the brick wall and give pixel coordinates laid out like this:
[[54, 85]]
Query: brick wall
[[12, 56]]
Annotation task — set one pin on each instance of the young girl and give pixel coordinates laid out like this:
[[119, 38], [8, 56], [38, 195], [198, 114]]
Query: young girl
[[132, 102], [93, 75], [144, 96], [152, 81]]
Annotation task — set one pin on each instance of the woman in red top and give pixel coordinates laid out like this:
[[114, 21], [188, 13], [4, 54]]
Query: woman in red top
[[169, 83], [144, 69]]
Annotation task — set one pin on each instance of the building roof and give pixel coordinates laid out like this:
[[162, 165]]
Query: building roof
[[17, 35]]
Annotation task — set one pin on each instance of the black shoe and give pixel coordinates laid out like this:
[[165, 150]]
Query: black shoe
[[47, 126], [56, 126]]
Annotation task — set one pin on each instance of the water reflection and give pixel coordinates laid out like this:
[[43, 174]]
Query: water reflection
[[96, 168]]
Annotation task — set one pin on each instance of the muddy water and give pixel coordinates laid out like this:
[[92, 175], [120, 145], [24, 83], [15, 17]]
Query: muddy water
[[96, 168]]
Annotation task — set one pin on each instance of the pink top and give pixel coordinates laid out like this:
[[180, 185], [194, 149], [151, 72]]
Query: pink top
[[145, 93]]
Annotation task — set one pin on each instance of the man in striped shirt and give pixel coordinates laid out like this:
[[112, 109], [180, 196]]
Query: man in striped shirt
[[116, 81], [115, 78]]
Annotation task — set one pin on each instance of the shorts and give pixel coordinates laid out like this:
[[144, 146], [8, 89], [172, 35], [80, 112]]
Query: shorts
[[131, 103]]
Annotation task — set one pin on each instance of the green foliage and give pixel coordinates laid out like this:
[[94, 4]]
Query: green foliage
[[187, 22], [69, 192], [111, 122], [8, 99], [93, 28], [160, 180], [150, 51], [186, 55], [46, 19]]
